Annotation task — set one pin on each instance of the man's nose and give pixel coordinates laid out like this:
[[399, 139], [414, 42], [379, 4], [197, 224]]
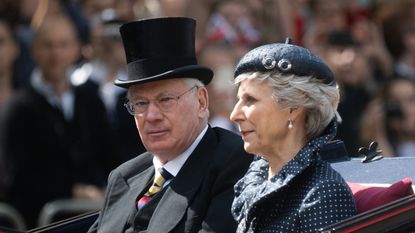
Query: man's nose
[[153, 111]]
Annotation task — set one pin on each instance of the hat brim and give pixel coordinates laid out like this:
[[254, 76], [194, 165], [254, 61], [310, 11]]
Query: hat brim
[[204, 74]]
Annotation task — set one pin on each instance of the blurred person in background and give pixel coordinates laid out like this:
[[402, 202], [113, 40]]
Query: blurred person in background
[[397, 19], [93, 8], [54, 136], [9, 50], [355, 77], [324, 16], [232, 22], [263, 21], [221, 58], [369, 36], [405, 66], [390, 118], [29, 16], [106, 65], [274, 20]]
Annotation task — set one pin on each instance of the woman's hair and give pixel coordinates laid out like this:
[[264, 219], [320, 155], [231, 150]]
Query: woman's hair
[[319, 100]]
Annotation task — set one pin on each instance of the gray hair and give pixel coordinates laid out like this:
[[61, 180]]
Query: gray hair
[[196, 82], [193, 82], [319, 100]]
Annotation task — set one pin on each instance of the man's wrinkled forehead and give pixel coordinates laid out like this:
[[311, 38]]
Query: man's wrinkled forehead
[[155, 88]]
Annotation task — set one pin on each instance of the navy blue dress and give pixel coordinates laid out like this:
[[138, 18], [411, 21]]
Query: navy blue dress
[[306, 195]]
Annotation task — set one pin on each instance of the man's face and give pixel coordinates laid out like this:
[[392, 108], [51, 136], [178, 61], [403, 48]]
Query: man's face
[[56, 48], [167, 133]]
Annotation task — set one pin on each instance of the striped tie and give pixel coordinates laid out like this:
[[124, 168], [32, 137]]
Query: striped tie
[[160, 178]]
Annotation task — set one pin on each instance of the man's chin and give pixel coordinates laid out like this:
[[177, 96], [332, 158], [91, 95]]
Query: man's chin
[[158, 149]]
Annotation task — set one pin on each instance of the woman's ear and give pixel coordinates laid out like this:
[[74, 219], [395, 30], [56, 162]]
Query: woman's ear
[[295, 113]]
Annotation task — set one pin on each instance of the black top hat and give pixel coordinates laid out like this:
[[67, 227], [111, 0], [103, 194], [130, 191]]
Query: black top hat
[[287, 59], [161, 48]]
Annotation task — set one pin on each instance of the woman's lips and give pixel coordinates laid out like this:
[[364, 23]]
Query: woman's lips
[[245, 133]]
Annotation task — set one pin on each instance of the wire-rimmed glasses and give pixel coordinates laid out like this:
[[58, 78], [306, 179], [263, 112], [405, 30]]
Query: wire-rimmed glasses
[[164, 103]]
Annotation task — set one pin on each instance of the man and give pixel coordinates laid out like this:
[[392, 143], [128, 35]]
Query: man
[[53, 135], [199, 164]]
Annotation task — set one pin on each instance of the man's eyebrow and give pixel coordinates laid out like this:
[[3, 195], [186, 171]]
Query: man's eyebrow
[[161, 94]]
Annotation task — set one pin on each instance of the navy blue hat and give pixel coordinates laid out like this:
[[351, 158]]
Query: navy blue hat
[[161, 48], [285, 58]]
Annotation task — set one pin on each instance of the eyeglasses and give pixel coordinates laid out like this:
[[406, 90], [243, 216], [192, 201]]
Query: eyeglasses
[[164, 103]]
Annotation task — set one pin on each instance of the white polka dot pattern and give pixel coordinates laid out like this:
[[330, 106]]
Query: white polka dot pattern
[[306, 195]]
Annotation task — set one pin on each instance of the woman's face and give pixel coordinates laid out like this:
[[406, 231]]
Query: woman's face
[[262, 121], [402, 92]]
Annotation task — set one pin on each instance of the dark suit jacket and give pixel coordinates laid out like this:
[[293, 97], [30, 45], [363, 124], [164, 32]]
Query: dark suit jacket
[[197, 200], [45, 155], [124, 133]]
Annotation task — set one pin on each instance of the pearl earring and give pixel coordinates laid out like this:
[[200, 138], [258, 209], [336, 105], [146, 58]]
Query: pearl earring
[[290, 124]]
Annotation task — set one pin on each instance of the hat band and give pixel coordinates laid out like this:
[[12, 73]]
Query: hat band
[[151, 67]]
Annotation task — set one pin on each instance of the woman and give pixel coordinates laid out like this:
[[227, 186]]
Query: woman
[[393, 126], [286, 112]]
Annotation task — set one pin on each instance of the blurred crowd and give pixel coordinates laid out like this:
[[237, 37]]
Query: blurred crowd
[[71, 50]]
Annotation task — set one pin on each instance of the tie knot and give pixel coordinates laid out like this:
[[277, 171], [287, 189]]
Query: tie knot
[[164, 173], [161, 175]]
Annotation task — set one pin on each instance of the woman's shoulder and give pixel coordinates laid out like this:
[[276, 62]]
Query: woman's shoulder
[[326, 178]]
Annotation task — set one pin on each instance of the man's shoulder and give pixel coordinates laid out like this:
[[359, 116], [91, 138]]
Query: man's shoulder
[[25, 95], [227, 136], [24, 102], [230, 145], [228, 140], [135, 165]]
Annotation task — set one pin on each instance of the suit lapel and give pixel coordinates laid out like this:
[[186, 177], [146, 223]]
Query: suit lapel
[[183, 188], [139, 185], [122, 192]]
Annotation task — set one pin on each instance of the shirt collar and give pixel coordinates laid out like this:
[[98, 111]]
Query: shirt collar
[[65, 102], [174, 166]]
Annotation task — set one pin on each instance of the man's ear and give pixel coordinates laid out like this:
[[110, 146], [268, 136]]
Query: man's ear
[[203, 99]]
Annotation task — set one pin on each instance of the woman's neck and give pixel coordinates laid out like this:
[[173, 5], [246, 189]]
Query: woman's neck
[[277, 162], [285, 151]]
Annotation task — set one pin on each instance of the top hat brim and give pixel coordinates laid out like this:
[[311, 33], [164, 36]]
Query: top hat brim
[[204, 74]]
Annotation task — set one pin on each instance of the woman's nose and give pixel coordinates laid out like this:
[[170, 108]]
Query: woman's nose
[[236, 114]]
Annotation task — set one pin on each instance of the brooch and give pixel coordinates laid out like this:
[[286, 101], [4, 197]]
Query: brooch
[[268, 62], [284, 65]]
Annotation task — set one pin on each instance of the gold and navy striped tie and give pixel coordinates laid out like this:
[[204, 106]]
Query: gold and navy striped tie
[[159, 179]]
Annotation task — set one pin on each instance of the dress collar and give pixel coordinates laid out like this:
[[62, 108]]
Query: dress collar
[[255, 185]]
